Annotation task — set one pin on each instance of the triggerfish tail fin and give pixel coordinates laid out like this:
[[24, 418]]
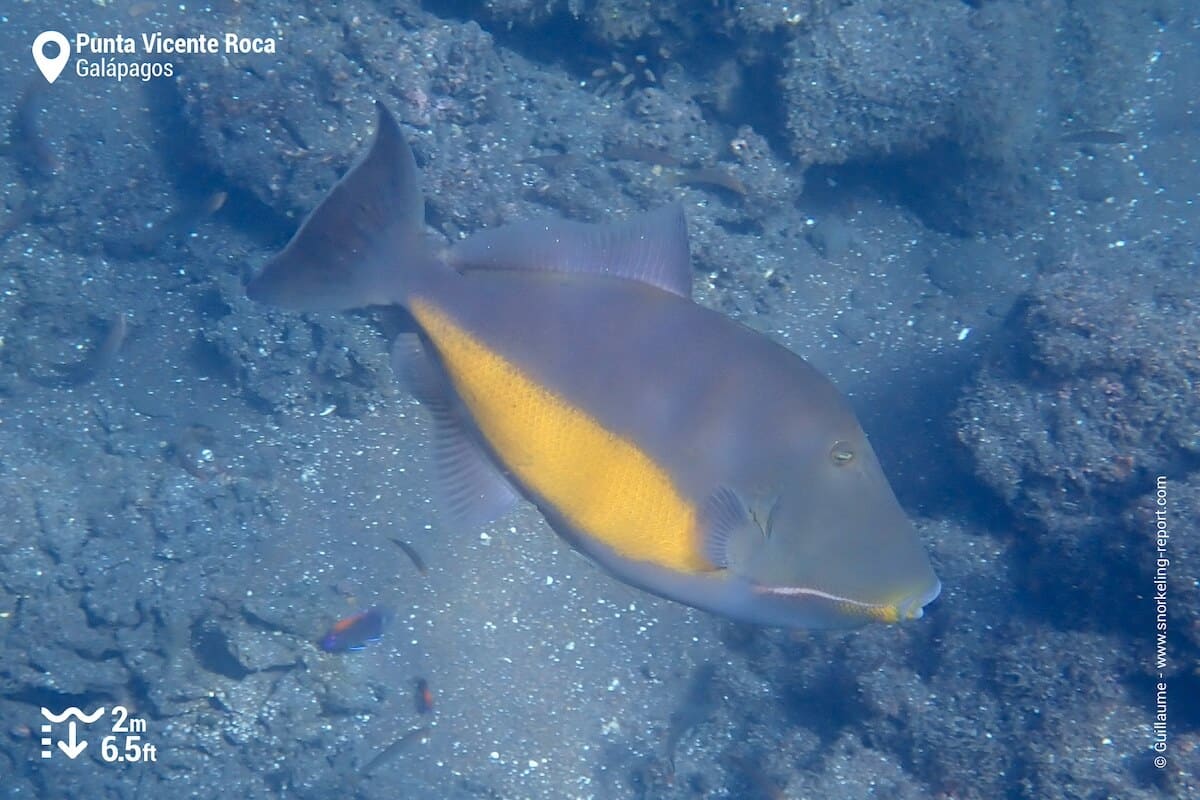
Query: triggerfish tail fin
[[354, 248], [651, 248]]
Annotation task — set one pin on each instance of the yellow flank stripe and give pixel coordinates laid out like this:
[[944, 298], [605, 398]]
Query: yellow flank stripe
[[605, 486]]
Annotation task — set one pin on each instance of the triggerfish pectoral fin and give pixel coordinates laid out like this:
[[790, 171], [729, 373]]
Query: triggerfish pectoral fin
[[724, 520]]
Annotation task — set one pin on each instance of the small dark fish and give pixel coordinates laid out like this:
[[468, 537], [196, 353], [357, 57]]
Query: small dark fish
[[764, 785], [1096, 136], [18, 217], [424, 697], [555, 163], [412, 554], [27, 147], [637, 152], [709, 176], [26, 142], [97, 362], [177, 225], [394, 749], [355, 631], [698, 706]]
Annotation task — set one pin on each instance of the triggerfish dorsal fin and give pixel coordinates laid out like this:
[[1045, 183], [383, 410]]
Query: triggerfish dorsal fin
[[469, 487], [348, 252], [651, 248]]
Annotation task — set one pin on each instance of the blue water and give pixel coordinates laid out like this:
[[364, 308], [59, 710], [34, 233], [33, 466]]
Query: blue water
[[978, 218]]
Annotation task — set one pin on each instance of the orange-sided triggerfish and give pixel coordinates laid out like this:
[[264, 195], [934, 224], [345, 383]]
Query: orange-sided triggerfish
[[567, 363]]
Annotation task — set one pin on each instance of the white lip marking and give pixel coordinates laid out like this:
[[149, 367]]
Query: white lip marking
[[797, 591], [911, 608]]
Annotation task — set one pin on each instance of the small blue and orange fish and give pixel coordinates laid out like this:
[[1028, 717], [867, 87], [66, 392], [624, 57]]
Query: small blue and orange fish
[[355, 631], [424, 696]]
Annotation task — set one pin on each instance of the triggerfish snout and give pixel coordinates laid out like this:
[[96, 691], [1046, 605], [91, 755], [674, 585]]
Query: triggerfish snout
[[884, 574], [567, 364]]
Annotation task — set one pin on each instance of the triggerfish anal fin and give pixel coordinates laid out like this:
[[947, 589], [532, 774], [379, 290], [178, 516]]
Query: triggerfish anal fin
[[345, 253]]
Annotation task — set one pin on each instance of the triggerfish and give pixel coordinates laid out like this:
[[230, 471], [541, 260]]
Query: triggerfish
[[566, 363]]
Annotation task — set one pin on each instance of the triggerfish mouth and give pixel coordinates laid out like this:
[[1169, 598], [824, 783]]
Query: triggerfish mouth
[[566, 363]]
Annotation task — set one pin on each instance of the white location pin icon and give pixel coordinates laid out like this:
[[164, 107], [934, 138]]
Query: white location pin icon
[[51, 68]]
